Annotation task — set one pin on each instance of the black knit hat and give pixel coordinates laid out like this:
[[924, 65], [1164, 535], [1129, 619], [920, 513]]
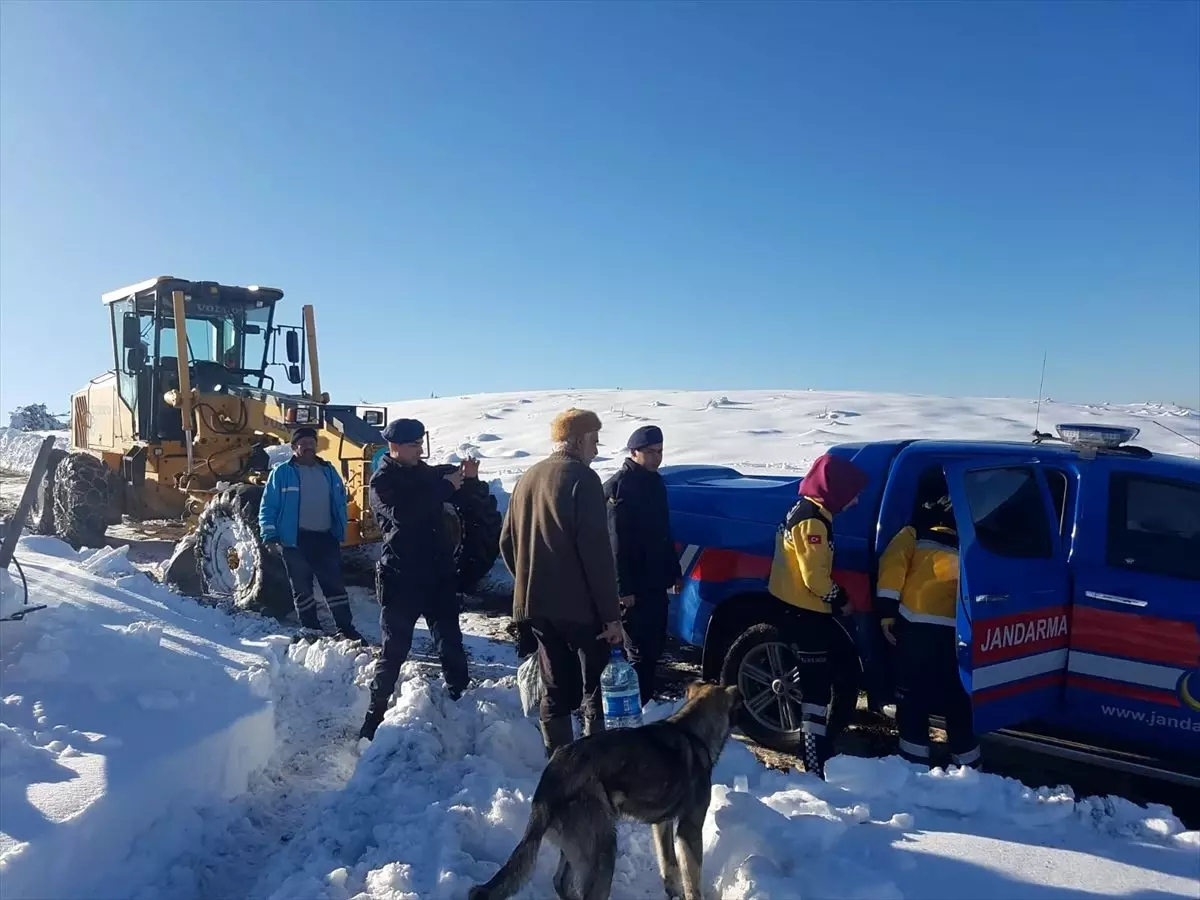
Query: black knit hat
[[303, 433]]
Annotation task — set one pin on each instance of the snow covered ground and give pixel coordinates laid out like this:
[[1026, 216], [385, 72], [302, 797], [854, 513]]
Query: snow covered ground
[[152, 747]]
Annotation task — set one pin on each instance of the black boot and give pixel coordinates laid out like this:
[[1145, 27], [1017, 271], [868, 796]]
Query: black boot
[[374, 716], [344, 622], [557, 733]]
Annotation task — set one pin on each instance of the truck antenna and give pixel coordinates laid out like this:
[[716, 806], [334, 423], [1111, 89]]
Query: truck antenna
[[1176, 433], [1038, 416]]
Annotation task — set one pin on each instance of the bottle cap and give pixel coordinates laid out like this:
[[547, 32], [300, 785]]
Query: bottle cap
[[617, 653]]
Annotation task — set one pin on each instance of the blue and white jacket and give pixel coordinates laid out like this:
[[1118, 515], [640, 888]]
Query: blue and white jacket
[[279, 512]]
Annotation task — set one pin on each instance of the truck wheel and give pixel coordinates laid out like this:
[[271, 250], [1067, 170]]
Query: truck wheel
[[474, 523], [231, 560], [760, 662], [81, 500], [41, 514]]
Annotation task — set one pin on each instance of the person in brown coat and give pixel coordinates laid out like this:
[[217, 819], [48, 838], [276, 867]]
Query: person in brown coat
[[554, 541]]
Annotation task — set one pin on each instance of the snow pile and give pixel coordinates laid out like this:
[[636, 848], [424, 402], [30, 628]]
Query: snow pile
[[123, 707], [35, 417], [440, 798], [18, 449]]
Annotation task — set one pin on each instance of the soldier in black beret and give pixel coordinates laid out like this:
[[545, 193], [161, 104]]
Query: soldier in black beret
[[415, 575], [639, 529]]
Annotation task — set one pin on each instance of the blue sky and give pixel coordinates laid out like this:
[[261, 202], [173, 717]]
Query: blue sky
[[893, 197]]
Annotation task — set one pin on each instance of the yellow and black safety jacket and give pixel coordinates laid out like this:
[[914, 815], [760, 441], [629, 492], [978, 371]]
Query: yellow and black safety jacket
[[802, 568], [918, 576]]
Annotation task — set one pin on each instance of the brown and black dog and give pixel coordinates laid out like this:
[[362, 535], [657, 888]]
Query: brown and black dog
[[659, 774]]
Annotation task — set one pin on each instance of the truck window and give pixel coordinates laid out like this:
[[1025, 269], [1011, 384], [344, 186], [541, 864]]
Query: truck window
[[1056, 480], [1009, 514], [1154, 526]]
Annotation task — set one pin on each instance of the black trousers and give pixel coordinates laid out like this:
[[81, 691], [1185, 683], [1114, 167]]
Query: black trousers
[[927, 682], [572, 660], [646, 632], [829, 677], [317, 554], [402, 603]]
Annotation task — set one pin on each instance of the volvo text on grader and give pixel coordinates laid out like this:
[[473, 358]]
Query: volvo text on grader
[[180, 429]]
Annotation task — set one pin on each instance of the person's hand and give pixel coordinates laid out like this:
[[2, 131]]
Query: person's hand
[[627, 601], [887, 626], [613, 633], [455, 478], [274, 546], [470, 468]]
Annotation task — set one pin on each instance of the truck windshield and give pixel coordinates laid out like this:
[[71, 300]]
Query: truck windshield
[[230, 335]]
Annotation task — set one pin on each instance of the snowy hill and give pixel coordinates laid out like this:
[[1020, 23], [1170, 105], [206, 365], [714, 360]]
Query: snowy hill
[[758, 431]]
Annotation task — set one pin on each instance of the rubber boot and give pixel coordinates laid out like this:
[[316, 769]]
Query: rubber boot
[[557, 732]]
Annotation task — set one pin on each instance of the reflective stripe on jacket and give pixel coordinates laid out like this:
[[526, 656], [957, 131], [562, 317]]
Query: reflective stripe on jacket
[[918, 576]]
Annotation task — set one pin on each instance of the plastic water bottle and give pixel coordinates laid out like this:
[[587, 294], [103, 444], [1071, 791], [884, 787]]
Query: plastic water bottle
[[620, 693]]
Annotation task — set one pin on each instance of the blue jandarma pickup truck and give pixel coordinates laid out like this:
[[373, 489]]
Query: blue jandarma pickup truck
[[1079, 613]]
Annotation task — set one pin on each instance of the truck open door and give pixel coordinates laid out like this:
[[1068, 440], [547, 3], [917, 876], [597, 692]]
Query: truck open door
[[1012, 619]]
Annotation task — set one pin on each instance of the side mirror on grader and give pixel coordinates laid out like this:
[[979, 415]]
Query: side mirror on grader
[[180, 429]]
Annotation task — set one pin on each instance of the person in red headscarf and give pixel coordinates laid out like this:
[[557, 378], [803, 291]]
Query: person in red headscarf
[[802, 577]]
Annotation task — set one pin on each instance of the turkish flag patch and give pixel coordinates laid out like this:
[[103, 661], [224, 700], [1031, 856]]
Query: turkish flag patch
[[814, 539]]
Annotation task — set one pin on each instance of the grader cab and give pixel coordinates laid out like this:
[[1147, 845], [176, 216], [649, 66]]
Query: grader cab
[[184, 428]]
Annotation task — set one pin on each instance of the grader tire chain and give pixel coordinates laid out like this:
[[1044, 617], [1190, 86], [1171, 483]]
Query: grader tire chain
[[41, 514], [81, 500], [269, 592], [481, 522]]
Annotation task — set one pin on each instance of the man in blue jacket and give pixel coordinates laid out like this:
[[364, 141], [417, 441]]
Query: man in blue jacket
[[303, 517], [639, 529]]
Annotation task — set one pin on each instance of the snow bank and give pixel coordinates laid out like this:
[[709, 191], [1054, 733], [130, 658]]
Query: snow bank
[[440, 798], [18, 449], [124, 706]]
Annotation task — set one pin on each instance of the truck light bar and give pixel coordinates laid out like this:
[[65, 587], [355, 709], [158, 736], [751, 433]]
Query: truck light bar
[[1099, 437]]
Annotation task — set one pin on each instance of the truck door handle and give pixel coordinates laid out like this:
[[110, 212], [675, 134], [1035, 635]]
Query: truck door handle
[[990, 598], [1113, 598]]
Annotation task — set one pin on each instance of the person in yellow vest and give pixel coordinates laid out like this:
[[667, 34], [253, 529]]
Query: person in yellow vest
[[802, 577], [916, 598]]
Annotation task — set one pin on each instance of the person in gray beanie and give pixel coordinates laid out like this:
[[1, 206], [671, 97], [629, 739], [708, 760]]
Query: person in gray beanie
[[639, 529]]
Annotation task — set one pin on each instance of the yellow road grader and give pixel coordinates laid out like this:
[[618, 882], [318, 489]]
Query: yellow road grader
[[187, 424]]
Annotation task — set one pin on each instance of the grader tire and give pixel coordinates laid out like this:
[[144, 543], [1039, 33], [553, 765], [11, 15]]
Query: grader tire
[[233, 564], [475, 525], [41, 514], [81, 500]]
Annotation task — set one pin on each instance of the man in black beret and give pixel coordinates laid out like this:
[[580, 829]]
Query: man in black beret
[[639, 529], [415, 575]]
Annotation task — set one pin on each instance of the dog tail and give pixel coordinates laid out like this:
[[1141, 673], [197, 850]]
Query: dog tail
[[514, 873]]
